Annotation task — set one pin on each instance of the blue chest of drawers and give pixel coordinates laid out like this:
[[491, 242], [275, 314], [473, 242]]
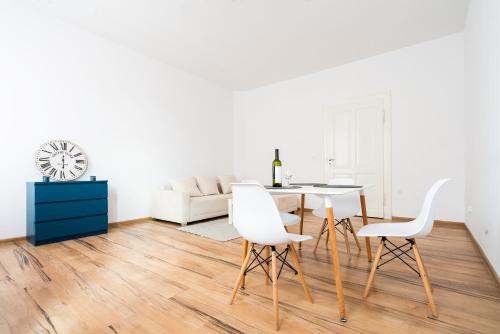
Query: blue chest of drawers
[[58, 211]]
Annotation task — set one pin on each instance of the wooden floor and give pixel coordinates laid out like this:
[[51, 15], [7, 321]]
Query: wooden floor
[[150, 278]]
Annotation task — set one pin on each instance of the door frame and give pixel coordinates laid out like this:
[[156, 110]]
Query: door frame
[[384, 99]]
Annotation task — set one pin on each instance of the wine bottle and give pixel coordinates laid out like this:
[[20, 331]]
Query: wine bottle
[[277, 169]]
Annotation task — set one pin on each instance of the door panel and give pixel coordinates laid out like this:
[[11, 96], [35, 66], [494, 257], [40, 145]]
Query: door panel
[[354, 137], [369, 138], [342, 142]]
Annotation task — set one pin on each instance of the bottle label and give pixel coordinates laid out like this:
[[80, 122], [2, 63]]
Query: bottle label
[[277, 174]]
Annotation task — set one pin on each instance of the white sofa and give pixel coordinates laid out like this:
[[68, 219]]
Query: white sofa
[[181, 208]]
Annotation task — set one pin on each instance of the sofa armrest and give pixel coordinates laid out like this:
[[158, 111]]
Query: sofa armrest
[[170, 205], [230, 211]]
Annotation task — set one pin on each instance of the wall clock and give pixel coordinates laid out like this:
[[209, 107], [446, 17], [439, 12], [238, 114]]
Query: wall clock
[[61, 160]]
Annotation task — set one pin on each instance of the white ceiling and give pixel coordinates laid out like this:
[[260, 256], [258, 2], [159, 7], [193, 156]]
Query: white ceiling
[[244, 44]]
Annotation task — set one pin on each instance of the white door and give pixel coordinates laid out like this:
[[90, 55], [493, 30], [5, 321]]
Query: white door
[[354, 148]]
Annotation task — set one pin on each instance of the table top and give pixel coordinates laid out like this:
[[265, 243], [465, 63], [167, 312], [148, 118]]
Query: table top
[[318, 191]]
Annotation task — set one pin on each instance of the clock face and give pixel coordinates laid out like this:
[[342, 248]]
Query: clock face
[[61, 160]]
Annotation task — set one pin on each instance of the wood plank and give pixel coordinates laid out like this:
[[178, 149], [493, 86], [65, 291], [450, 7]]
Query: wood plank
[[147, 277]]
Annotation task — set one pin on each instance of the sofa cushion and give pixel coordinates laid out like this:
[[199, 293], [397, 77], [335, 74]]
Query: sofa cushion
[[207, 185], [225, 183], [186, 186], [200, 206]]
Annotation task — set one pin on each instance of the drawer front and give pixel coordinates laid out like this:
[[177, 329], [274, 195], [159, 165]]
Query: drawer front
[[70, 227], [70, 191], [65, 210]]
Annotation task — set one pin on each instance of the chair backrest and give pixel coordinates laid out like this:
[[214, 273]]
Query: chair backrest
[[344, 206], [425, 219], [256, 216]]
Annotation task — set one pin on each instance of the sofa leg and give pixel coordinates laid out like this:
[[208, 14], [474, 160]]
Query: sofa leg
[[184, 224]]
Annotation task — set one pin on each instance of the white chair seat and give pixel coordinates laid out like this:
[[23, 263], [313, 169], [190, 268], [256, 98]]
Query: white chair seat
[[289, 219], [299, 237], [389, 230]]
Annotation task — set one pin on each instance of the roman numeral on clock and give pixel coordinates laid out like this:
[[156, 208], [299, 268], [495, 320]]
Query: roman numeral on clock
[[54, 146], [78, 167], [61, 175], [77, 155], [44, 159], [64, 146], [45, 165], [53, 172], [80, 161]]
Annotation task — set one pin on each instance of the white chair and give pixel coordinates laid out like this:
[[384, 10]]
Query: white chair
[[344, 207], [258, 221], [288, 219], [419, 227]]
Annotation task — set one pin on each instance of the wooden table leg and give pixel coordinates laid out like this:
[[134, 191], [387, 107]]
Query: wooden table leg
[[365, 222], [301, 226], [336, 263], [244, 252]]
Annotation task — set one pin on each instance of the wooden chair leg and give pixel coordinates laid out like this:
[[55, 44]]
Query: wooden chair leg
[[427, 274], [327, 238], [346, 238], [296, 263], [267, 254], [354, 234], [319, 236], [244, 252], [275, 290], [239, 280], [362, 201], [425, 281], [374, 267]]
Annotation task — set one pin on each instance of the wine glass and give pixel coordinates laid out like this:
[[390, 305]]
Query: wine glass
[[288, 177]]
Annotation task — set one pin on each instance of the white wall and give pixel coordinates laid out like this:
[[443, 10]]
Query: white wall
[[482, 125], [139, 121], [426, 83]]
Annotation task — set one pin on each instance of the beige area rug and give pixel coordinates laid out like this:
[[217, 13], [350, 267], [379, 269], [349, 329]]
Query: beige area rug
[[217, 229]]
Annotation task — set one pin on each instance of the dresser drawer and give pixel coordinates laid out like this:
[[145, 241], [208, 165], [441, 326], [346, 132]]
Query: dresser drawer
[[72, 209], [66, 229], [54, 192]]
